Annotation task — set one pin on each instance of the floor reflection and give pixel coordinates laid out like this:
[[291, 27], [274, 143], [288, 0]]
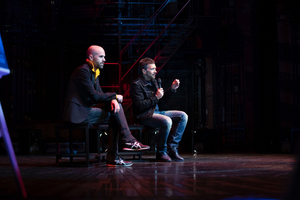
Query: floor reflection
[[229, 176]]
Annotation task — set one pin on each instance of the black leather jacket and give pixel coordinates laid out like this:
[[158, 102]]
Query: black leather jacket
[[144, 100]]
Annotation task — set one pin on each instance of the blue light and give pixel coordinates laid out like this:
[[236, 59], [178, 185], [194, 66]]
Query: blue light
[[4, 70]]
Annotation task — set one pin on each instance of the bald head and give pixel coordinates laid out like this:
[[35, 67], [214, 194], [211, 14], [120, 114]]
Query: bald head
[[96, 55], [92, 50]]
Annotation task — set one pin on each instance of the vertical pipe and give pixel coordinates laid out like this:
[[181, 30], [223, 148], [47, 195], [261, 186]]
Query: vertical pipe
[[120, 43]]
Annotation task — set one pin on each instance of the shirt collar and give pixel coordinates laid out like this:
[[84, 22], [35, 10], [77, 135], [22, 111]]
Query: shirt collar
[[91, 65], [97, 72]]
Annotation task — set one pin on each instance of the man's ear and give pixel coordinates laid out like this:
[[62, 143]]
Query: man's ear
[[144, 71], [91, 57]]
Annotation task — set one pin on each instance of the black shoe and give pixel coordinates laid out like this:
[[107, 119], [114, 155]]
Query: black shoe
[[135, 146], [173, 153], [119, 162], [163, 157]]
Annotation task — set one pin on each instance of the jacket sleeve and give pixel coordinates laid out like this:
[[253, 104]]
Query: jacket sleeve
[[141, 99], [87, 87]]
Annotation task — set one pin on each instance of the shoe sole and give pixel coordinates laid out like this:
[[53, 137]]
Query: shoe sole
[[158, 160], [112, 165], [129, 149], [177, 160]]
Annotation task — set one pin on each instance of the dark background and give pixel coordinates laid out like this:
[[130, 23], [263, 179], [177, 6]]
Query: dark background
[[238, 62]]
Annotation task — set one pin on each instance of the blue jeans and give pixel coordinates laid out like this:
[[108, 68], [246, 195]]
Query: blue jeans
[[171, 126]]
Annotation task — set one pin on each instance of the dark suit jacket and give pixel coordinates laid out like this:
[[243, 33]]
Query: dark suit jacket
[[82, 93]]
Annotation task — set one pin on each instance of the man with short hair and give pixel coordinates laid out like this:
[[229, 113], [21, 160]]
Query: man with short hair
[[87, 103], [149, 108]]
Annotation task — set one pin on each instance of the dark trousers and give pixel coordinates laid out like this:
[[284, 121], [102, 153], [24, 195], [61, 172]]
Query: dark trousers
[[117, 126]]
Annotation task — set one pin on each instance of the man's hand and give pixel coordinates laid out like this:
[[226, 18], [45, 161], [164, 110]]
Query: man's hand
[[120, 98], [160, 93], [115, 106], [175, 84]]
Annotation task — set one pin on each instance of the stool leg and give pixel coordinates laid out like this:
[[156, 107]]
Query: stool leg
[[140, 131], [98, 144], [56, 144], [292, 138], [71, 144], [87, 146], [193, 135]]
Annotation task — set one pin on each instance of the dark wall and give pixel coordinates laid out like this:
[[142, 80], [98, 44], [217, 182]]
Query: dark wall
[[266, 74], [45, 40]]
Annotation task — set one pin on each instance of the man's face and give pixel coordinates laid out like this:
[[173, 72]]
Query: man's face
[[150, 72], [98, 58]]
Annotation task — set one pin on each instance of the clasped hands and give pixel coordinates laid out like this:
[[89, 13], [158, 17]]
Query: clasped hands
[[115, 106]]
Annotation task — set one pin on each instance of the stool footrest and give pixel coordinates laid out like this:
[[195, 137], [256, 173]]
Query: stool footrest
[[86, 128]]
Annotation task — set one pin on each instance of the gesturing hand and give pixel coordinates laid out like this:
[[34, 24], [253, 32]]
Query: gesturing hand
[[115, 106], [175, 84]]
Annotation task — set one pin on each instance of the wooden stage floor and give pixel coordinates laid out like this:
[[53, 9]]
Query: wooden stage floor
[[205, 176]]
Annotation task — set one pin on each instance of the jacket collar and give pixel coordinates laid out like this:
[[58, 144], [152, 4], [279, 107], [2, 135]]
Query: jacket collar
[[144, 81], [85, 65]]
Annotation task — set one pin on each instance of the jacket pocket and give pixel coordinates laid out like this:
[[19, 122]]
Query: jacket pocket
[[149, 94]]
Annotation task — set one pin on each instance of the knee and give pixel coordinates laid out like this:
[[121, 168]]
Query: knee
[[167, 122], [184, 117]]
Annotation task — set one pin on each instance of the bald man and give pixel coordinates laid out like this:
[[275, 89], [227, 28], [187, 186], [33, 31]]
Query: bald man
[[84, 93]]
